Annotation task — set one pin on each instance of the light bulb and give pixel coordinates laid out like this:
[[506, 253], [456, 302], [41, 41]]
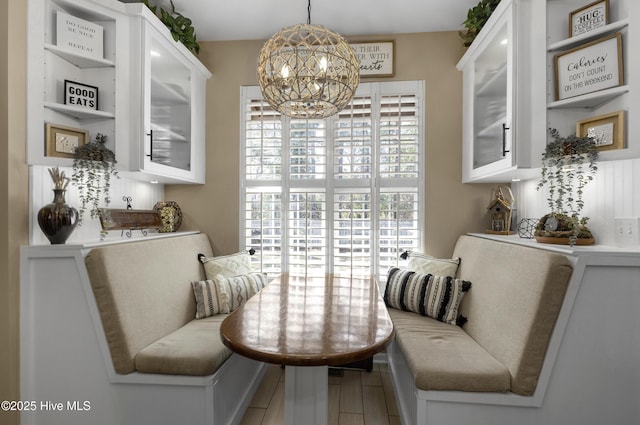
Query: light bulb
[[323, 64], [285, 71]]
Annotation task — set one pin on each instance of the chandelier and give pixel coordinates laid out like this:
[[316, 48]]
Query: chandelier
[[308, 71]]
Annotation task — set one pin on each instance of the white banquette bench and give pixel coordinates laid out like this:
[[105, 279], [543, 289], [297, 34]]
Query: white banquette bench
[[552, 338], [549, 340], [112, 329]]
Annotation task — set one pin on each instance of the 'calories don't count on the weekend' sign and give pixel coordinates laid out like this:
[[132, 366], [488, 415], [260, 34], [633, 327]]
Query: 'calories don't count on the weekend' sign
[[590, 67]]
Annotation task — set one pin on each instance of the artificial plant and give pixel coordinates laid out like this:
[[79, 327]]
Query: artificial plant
[[477, 16], [93, 166], [568, 164], [180, 26]]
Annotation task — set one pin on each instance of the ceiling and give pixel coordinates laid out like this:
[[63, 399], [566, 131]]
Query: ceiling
[[259, 19]]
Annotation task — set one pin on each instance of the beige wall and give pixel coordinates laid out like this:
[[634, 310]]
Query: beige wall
[[13, 191], [451, 207]]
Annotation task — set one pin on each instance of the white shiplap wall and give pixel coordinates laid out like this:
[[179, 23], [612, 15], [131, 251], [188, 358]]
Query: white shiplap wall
[[143, 194], [614, 192]]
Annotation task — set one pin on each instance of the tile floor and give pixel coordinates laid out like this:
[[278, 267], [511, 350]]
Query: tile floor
[[356, 398]]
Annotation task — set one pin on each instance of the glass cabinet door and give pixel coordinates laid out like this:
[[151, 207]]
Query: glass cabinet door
[[168, 113], [492, 101]]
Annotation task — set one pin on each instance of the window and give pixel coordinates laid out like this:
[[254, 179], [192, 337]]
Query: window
[[339, 195]]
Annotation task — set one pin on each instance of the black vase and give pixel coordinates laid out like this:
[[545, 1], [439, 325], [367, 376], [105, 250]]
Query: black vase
[[57, 220]]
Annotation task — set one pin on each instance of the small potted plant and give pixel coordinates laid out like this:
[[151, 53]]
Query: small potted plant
[[93, 166], [568, 164]]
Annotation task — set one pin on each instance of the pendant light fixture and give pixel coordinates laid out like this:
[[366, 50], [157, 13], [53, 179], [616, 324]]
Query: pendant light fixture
[[308, 71]]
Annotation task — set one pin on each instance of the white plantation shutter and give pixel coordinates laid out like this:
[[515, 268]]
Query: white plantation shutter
[[352, 230], [262, 141], [340, 195], [263, 229], [308, 150], [307, 233], [399, 218], [352, 151], [399, 143]]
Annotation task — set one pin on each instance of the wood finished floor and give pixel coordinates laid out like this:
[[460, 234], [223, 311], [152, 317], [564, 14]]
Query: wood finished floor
[[356, 398]]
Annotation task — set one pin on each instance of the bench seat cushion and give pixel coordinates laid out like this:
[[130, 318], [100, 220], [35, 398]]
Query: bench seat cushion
[[194, 349], [444, 357], [143, 291]]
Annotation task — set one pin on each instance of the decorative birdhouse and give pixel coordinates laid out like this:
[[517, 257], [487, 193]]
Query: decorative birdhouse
[[500, 210]]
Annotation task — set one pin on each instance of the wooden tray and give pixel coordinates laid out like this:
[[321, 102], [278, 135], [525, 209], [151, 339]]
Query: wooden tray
[[564, 241]]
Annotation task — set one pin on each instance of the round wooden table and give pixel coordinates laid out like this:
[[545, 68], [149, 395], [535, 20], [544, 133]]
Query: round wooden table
[[307, 324]]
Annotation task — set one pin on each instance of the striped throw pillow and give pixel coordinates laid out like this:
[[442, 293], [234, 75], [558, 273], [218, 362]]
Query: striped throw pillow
[[240, 288], [430, 295], [210, 299]]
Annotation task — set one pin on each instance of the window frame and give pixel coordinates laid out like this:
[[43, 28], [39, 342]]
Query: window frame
[[330, 185]]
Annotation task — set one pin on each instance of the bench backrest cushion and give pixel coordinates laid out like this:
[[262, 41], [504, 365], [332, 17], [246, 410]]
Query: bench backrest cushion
[[143, 291], [514, 302]]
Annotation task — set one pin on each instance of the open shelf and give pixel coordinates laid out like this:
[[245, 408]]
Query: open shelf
[[78, 60], [79, 113], [589, 100], [591, 35]]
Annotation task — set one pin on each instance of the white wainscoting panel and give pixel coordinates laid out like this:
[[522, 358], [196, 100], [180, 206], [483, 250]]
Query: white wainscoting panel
[[614, 192], [144, 196]]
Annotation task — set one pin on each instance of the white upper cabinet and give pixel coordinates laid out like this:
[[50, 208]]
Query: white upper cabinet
[[583, 97], [132, 82], [504, 95], [172, 104]]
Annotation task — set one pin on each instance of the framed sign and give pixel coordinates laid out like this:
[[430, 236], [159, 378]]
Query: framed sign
[[81, 95], [376, 58], [61, 141], [589, 18], [607, 130], [590, 67], [79, 36]]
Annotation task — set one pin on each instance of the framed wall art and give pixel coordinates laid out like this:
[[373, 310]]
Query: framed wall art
[[607, 130], [79, 36], [589, 67], [589, 18], [80, 95], [376, 58], [61, 141]]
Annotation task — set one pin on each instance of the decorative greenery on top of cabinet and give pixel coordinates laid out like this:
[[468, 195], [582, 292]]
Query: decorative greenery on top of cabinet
[[180, 26], [477, 17]]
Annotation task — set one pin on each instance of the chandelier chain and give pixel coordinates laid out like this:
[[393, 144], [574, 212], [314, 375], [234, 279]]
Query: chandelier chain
[[309, 12]]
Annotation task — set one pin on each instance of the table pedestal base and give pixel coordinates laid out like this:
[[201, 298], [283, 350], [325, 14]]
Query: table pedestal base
[[306, 395]]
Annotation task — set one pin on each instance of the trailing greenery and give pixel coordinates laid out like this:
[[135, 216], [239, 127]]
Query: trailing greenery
[[568, 165], [93, 166], [180, 26], [476, 18]]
